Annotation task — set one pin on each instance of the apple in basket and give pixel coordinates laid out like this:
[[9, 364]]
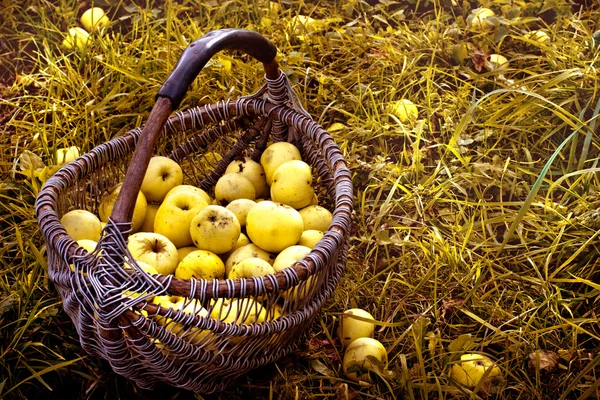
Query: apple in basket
[[253, 171], [285, 259], [248, 251], [274, 226], [154, 249], [316, 218], [291, 184], [162, 175], [189, 188], [175, 214], [241, 207], [275, 155], [310, 238], [107, 203], [215, 228], [234, 186], [81, 224], [200, 264]]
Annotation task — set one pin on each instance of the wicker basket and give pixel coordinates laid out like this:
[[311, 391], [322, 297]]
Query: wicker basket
[[110, 304]]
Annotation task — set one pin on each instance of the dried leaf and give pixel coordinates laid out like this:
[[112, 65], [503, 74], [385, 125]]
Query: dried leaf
[[321, 368], [478, 58], [29, 161], [543, 360]]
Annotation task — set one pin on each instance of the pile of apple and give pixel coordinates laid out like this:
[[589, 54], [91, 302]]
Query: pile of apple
[[263, 218], [362, 351]]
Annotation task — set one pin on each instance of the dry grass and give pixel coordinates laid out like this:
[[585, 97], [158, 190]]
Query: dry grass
[[476, 226]]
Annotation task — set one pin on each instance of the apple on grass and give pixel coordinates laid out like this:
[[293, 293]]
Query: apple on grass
[[215, 229], [175, 215], [351, 328], [162, 175], [67, 154], [357, 362], [94, 18], [472, 368], [107, 203], [82, 224], [154, 249]]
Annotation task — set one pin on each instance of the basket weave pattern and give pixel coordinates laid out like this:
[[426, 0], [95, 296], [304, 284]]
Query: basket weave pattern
[[108, 296]]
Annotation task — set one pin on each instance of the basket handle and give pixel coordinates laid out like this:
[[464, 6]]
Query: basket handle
[[191, 62], [197, 54]]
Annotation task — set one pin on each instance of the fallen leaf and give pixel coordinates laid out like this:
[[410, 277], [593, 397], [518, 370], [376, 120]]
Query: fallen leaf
[[543, 360]]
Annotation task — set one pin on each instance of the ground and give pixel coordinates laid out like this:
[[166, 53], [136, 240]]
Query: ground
[[475, 225]]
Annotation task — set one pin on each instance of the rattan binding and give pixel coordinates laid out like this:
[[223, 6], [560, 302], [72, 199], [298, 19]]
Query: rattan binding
[[108, 296]]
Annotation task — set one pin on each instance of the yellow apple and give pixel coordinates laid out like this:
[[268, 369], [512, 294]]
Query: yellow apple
[[273, 226], [351, 328], [76, 38], [145, 267], [234, 186], [253, 171], [190, 188], [184, 251], [248, 251], [148, 222], [81, 224], [242, 241], [285, 259], [479, 19], [356, 363], [87, 244], [94, 18], [291, 184], [310, 238], [251, 267], [471, 368], [67, 154], [538, 36], [107, 203], [497, 62], [200, 264], [288, 256], [154, 249], [316, 217], [241, 311], [185, 306], [241, 207], [162, 175], [216, 229], [175, 214], [405, 110], [275, 155]]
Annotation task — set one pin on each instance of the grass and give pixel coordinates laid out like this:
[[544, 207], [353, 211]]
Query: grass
[[476, 226]]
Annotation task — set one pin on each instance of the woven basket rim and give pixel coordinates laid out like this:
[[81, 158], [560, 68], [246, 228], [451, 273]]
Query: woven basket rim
[[244, 107]]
